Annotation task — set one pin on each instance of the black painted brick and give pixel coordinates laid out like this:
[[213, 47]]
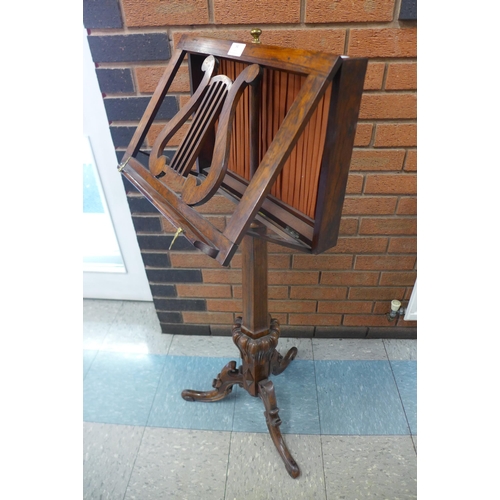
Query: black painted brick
[[130, 48], [141, 156], [174, 276], [221, 331], [408, 11], [162, 242], [122, 136], [102, 14], [153, 242], [163, 290], [115, 81], [391, 333], [140, 205], [132, 108], [180, 304], [297, 331], [169, 317], [147, 224], [158, 260], [341, 332], [185, 329]]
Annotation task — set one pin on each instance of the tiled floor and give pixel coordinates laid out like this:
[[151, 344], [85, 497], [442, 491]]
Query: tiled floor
[[348, 409]]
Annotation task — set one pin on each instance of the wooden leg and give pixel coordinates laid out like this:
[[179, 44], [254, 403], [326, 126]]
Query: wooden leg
[[268, 396], [279, 363], [223, 385]]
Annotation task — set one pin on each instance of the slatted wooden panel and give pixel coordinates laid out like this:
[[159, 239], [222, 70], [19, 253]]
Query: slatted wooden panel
[[297, 185]]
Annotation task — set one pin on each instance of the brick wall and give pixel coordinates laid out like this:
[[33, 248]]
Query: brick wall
[[343, 292]]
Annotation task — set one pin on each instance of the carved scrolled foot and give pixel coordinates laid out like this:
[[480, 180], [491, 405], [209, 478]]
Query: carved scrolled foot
[[223, 385], [268, 396], [279, 363]]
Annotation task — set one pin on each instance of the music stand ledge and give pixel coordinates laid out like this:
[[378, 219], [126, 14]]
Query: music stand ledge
[[287, 177]]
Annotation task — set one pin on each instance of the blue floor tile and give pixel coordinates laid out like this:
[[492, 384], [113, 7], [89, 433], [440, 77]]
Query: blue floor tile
[[296, 399], [88, 357], [197, 373], [119, 387], [405, 373], [358, 398]]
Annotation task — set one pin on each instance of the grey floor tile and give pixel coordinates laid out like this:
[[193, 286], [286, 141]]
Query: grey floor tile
[[370, 467], [196, 373], [98, 315], [401, 349], [359, 397], [88, 357], [109, 452], [304, 347], [256, 471], [348, 349], [405, 373], [136, 328], [203, 345], [180, 464], [119, 387]]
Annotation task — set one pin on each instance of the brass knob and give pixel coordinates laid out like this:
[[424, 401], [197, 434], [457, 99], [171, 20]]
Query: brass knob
[[256, 32]]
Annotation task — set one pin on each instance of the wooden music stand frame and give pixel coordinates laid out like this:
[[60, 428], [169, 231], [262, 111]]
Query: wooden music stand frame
[[259, 216]]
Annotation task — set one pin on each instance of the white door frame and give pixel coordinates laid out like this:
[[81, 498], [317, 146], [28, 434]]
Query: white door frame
[[133, 284]]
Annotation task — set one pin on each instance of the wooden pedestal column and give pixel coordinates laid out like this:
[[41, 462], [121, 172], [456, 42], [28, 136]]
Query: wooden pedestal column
[[256, 335]]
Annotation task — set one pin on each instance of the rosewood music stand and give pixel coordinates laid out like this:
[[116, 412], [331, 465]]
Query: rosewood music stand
[[274, 132]]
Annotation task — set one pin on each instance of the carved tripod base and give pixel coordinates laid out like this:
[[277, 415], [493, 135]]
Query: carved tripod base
[[260, 359]]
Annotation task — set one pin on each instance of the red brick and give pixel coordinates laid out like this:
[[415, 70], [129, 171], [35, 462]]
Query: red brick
[[408, 324], [346, 278], [324, 261], [216, 220], [411, 161], [395, 135], [347, 11], [292, 306], [160, 13], [373, 159], [257, 11], [363, 134], [149, 76], [274, 261], [391, 184], [324, 39], [293, 278], [275, 248], [192, 260], [401, 76], [398, 278], [376, 293], [348, 226], [360, 245], [403, 245], [315, 319], [365, 320], [281, 317], [200, 290], [387, 106], [273, 292], [379, 262], [210, 318], [221, 276], [382, 42], [407, 206], [217, 205], [380, 225], [354, 184], [230, 305], [364, 205], [318, 292], [345, 307], [374, 76]]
